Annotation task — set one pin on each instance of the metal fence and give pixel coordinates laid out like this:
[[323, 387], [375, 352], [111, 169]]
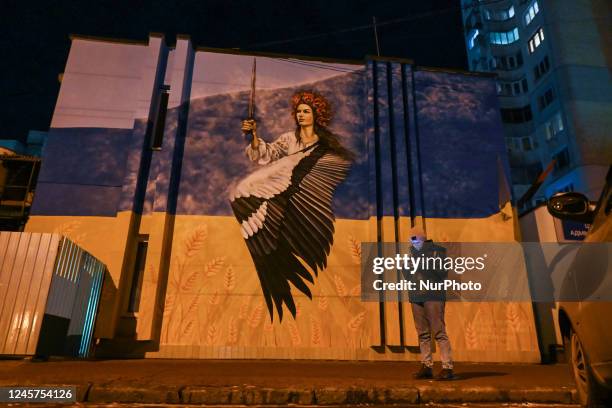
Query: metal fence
[[49, 295]]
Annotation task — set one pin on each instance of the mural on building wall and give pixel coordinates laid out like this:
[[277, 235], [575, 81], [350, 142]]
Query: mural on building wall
[[216, 283], [422, 145], [284, 208]]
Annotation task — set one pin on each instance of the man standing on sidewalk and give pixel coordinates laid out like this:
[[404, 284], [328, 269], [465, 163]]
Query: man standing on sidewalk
[[428, 307]]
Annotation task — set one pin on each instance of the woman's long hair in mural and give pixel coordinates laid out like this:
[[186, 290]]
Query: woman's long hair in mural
[[323, 113], [285, 207]]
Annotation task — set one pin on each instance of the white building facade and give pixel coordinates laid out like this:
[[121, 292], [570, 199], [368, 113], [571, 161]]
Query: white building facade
[[553, 61]]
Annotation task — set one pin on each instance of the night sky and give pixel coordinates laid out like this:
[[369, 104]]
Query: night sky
[[35, 44]]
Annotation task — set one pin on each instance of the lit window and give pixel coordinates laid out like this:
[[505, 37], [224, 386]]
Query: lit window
[[502, 38], [536, 40], [558, 122], [553, 127], [472, 38], [531, 13]]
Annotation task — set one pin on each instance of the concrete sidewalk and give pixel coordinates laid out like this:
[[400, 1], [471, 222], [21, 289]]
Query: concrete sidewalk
[[255, 382]]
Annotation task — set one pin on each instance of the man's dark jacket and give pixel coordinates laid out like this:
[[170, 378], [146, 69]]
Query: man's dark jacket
[[432, 274]]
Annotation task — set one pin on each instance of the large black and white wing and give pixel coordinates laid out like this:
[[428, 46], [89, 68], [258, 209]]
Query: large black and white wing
[[285, 212], [309, 219]]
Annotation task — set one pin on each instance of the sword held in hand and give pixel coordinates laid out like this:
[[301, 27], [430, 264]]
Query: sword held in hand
[[249, 134]]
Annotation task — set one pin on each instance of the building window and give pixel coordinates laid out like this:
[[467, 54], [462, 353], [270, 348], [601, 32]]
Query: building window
[[504, 37], [536, 40], [517, 115], [507, 62], [499, 15], [526, 144], [159, 124], [511, 63], [545, 99], [531, 12], [553, 127], [562, 159], [541, 68], [512, 88], [472, 37]]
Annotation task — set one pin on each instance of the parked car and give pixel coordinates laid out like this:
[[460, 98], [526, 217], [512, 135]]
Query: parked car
[[586, 326]]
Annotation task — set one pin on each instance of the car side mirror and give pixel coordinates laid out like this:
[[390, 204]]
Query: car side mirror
[[571, 206]]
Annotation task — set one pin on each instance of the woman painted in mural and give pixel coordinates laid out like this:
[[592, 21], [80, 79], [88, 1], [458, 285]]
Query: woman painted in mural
[[284, 207]]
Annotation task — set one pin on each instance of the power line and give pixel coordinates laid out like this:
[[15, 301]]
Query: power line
[[312, 65], [357, 28], [375, 24]]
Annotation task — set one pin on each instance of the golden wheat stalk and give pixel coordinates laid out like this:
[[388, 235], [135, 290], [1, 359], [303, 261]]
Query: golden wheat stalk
[[514, 319], [354, 249], [340, 287], [212, 334], [229, 280], [193, 307], [355, 322], [169, 304], [323, 303], [191, 280], [294, 332], [256, 316], [214, 266], [244, 310], [195, 241], [356, 291], [471, 338], [67, 228], [188, 327], [315, 332], [214, 299], [232, 331]]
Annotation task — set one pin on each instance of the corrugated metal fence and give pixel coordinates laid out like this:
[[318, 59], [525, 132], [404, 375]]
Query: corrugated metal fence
[[49, 294]]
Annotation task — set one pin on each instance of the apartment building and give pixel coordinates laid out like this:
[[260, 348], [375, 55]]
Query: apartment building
[[552, 60]]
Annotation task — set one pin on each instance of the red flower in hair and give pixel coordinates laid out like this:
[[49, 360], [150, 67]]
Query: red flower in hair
[[320, 106]]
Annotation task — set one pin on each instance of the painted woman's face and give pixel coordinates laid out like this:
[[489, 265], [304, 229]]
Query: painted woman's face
[[304, 115]]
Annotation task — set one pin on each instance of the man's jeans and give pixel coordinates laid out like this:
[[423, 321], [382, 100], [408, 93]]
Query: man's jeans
[[428, 319]]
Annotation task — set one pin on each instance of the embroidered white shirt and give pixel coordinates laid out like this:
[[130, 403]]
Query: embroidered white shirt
[[285, 145]]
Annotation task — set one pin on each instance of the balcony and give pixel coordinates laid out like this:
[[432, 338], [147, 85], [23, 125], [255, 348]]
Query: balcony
[[18, 176]]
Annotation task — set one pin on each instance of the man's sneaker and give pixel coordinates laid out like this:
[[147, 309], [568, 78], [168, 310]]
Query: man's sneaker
[[423, 373], [446, 374]]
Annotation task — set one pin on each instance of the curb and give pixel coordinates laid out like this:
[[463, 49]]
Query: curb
[[327, 396]]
